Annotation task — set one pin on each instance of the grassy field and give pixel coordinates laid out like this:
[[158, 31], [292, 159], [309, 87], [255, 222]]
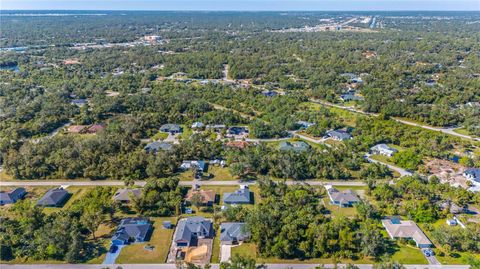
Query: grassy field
[[463, 131], [102, 240], [76, 193], [409, 255], [187, 132], [337, 211], [160, 136], [5, 177], [161, 239], [218, 174]]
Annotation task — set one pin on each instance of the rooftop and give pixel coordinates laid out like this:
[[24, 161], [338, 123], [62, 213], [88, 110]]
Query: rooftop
[[405, 229]]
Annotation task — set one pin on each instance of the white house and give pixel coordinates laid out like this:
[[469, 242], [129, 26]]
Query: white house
[[383, 149], [473, 176]]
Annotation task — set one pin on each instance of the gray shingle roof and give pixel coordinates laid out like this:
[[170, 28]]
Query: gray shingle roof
[[187, 227], [241, 196], [135, 228], [170, 128], [343, 197], [12, 196], [53, 197], [157, 146], [126, 194], [474, 173], [298, 146], [233, 231], [342, 135]]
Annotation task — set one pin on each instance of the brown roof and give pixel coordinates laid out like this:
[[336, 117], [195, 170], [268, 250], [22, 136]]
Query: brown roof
[[76, 128], [208, 196], [95, 128], [238, 144]]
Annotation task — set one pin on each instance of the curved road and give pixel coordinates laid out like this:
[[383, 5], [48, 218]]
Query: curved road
[[401, 171], [449, 131]]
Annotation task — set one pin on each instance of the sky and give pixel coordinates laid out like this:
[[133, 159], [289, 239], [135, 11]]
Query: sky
[[241, 5]]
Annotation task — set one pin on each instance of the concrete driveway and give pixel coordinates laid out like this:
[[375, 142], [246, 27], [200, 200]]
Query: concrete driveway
[[111, 257], [225, 252]]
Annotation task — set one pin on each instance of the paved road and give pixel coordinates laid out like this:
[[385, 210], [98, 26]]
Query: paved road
[[401, 171], [182, 183], [214, 266], [449, 131]]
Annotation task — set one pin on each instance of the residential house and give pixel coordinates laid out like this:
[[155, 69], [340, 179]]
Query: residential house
[[79, 102], [132, 230], [208, 196], [237, 144], [216, 127], [383, 149], [94, 128], [171, 128], [298, 146], [304, 124], [152, 38], [155, 147], [339, 135], [406, 229], [233, 233], [76, 129], [198, 165], [346, 198], [54, 198], [12, 196], [452, 207], [237, 130], [350, 97], [197, 125], [240, 196], [268, 93], [126, 195], [473, 176], [190, 229]]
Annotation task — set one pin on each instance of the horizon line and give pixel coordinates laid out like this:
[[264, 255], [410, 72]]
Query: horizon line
[[252, 10]]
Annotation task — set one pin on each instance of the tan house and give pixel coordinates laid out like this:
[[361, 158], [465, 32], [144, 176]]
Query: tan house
[[406, 229], [208, 196]]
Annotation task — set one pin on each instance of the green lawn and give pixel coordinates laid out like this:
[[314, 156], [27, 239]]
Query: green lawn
[[463, 131], [216, 248], [218, 174], [337, 211], [160, 136], [409, 255], [161, 239], [187, 132]]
